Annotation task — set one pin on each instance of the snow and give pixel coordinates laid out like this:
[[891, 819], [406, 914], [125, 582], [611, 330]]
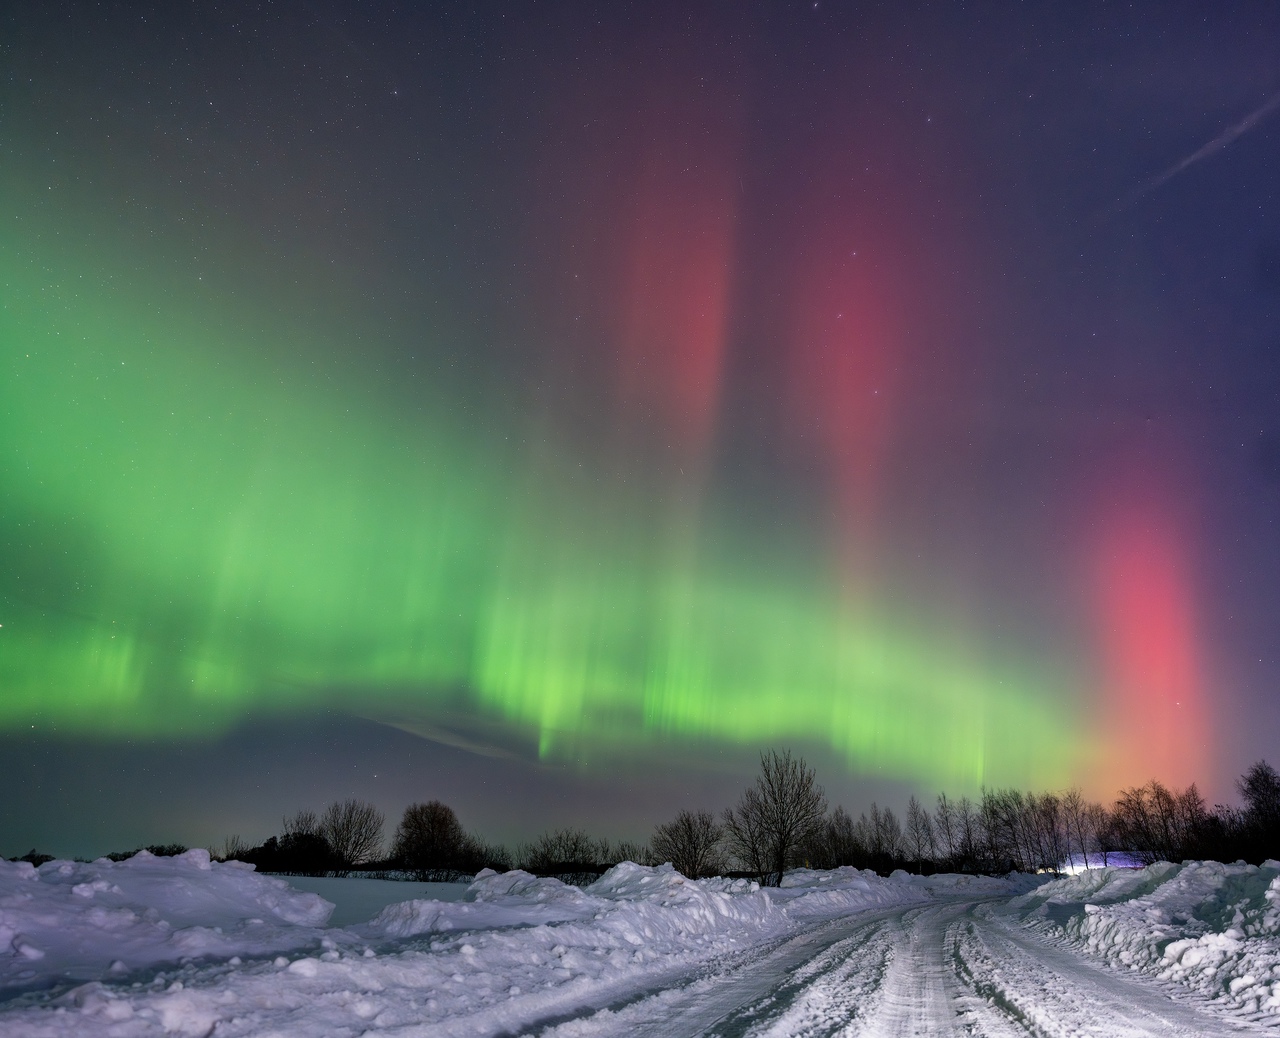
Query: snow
[[69, 920], [1075, 863], [186, 946], [357, 899], [1208, 927]]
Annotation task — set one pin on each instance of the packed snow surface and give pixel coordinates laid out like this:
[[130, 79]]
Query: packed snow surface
[[1203, 925], [186, 946]]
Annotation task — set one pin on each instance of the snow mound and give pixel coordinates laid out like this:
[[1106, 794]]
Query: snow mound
[[629, 901], [494, 900], [72, 920], [1210, 927]]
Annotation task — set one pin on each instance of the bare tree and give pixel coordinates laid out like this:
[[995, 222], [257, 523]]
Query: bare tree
[[1075, 813], [305, 823], [776, 816], [968, 833], [944, 830], [1260, 787], [629, 850], [303, 848], [1157, 823], [570, 854], [843, 847], [234, 848], [430, 841], [485, 855], [884, 835], [919, 833], [353, 829], [1101, 831], [691, 843], [1055, 838], [746, 832]]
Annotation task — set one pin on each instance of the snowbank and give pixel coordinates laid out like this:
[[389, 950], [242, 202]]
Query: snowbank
[[357, 899], [630, 901], [188, 947], [807, 892], [71, 920], [1213, 928]]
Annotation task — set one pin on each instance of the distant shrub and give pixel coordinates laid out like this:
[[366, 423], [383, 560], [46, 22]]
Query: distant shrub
[[570, 855], [629, 850]]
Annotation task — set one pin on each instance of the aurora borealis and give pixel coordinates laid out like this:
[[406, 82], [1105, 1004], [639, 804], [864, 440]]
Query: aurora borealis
[[590, 389]]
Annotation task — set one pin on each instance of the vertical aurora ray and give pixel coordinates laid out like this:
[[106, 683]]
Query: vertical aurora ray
[[671, 321], [846, 358], [1153, 683]]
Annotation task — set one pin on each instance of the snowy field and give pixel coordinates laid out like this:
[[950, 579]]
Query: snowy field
[[185, 946]]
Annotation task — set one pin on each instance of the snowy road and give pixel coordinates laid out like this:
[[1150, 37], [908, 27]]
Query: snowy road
[[942, 969], [198, 949]]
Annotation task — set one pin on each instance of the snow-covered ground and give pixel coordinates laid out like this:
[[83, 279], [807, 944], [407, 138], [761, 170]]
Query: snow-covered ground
[[357, 899], [186, 946], [1209, 927]]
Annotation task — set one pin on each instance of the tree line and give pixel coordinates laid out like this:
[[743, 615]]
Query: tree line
[[783, 821]]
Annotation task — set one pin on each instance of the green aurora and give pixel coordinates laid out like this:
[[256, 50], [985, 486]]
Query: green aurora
[[211, 513]]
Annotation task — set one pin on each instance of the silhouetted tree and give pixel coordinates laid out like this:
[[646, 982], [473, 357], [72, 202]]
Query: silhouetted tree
[[944, 831], [484, 855], [842, 839], [881, 834], [746, 834], [1260, 788], [691, 843], [571, 855], [1156, 823], [968, 834], [233, 848], [777, 816], [920, 845], [430, 842], [353, 829], [835, 843], [629, 850], [1075, 819], [301, 853], [304, 822]]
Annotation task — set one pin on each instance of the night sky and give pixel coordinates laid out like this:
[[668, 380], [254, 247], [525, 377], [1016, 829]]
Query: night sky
[[547, 406]]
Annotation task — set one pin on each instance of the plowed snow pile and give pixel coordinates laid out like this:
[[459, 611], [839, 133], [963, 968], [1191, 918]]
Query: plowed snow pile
[[184, 945], [1211, 927], [71, 920]]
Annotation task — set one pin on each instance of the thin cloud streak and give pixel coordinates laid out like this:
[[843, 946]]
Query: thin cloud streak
[[1228, 136]]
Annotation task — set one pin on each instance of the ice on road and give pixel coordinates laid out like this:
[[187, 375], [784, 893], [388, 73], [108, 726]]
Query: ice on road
[[201, 949]]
